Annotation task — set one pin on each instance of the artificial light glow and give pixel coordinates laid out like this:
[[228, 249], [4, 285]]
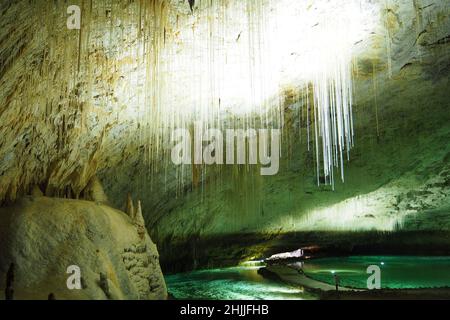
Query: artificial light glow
[[360, 213], [286, 255], [320, 39]]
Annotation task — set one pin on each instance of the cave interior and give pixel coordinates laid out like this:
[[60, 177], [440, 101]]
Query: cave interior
[[143, 140]]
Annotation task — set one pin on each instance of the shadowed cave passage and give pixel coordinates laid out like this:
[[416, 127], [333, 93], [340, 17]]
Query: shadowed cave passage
[[355, 97]]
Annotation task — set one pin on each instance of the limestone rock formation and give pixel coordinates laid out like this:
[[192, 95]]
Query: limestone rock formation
[[130, 206], [138, 217], [94, 191], [44, 236]]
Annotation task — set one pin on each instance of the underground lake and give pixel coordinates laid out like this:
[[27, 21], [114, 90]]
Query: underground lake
[[245, 282]]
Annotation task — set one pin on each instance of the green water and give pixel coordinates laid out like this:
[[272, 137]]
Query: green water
[[244, 283], [237, 283], [397, 272]]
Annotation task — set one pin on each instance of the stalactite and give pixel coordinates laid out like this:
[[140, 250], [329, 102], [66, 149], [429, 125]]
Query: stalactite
[[227, 64], [186, 80]]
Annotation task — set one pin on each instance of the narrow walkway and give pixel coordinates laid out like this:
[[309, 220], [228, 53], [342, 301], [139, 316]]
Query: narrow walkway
[[292, 276]]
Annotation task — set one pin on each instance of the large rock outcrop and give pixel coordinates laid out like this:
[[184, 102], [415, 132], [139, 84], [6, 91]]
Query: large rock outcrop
[[44, 236]]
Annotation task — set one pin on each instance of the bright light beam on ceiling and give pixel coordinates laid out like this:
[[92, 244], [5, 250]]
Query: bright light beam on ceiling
[[234, 58]]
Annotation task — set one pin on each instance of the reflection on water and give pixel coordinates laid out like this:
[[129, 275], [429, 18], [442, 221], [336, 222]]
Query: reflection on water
[[396, 271], [237, 283]]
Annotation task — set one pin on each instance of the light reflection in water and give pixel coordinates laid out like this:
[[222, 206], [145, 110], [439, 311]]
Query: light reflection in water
[[244, 282], [397, 272], [237, 283]]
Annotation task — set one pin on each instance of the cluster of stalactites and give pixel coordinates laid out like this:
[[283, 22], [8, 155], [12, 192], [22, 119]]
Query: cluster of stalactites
[[191, 74]]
